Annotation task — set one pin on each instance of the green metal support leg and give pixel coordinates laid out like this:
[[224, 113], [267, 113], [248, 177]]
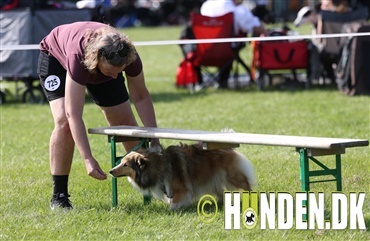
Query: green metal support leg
[[305, 173], [115, 160], [338, 176], [304, 170], [113, 164]]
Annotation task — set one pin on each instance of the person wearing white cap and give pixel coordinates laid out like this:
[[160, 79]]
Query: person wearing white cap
[[244, 20]]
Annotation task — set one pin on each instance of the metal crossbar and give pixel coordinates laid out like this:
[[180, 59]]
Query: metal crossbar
[[305, 172]]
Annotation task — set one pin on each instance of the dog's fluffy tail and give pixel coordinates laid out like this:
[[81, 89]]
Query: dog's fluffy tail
[[247, 168], [244, 164]]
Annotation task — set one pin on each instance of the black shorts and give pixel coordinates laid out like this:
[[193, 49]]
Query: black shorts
[[53, 77]]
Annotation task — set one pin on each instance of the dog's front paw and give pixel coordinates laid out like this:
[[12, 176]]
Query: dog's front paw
[[178, 205]]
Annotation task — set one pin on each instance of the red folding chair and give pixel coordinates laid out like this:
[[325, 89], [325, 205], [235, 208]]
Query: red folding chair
[[217, 60]]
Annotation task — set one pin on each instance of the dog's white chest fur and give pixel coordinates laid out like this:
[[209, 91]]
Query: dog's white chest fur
[[155, 191]]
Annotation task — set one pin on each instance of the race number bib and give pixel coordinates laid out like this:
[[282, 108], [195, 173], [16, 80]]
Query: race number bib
[[52, 83]]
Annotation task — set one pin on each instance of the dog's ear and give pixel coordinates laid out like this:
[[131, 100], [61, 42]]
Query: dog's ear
[[141, 161]]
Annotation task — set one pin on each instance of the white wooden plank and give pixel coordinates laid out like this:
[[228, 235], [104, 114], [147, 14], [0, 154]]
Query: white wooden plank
[[227, 137]]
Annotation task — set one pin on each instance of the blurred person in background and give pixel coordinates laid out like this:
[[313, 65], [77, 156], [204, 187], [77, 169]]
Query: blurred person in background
[[244, 20], [244, 23]]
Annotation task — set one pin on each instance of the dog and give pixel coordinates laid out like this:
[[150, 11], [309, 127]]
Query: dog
[[249, 219], [180, 174]]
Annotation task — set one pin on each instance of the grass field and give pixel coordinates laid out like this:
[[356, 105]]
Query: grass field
[[26, 182]]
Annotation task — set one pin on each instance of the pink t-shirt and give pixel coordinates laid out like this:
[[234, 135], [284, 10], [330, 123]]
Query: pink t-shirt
[[66, 43]]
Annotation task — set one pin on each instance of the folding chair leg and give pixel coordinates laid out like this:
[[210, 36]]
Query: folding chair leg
[[240, 61]]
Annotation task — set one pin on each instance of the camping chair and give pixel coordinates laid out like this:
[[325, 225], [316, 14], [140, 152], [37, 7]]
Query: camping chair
[[330, 22], [220, 56]]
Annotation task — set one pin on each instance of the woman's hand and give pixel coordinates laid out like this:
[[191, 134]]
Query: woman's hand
[[93, 169]]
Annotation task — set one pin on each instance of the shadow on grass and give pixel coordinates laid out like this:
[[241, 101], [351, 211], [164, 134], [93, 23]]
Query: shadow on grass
[[181, 94], [154, 207], [166, 96], [129, 207], [294, 87], [174, 96]]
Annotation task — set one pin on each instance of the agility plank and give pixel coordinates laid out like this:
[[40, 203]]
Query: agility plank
[[309, 148], [230, 137]]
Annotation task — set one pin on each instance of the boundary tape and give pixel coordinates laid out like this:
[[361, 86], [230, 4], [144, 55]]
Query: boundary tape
[[198, 41]]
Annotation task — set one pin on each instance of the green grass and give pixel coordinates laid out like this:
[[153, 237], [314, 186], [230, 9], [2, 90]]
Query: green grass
[[26, 182]]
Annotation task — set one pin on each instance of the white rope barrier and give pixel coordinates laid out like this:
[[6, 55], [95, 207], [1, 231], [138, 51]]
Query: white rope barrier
[[218, 40]]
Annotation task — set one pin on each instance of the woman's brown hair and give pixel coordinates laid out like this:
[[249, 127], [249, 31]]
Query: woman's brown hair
[[108, 43]]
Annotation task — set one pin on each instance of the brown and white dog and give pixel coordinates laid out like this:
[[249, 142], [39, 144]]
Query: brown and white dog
[[180, 175]]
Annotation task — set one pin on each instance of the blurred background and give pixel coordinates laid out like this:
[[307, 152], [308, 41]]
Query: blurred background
[[129, 13], [28, 21]]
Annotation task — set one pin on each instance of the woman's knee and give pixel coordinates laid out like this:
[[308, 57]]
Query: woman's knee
[[61, 123], [59, 115]]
